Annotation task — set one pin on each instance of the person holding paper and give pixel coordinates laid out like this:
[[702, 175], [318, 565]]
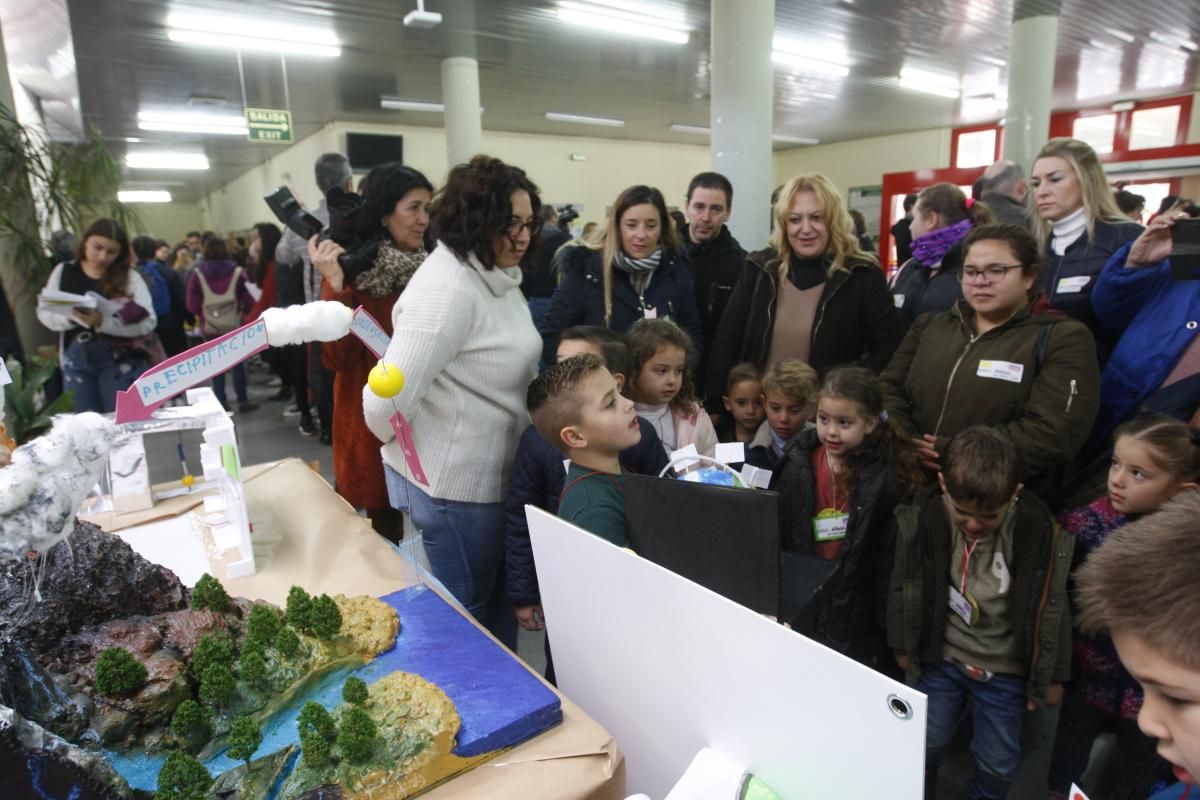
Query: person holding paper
[[398, 197], [977, 606], [101, 341], [997, 358], [466, 344], [1079, 226]]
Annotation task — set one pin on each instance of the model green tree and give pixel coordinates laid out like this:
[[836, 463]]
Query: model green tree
[[354, 691], [118, 673], [190, 723], [299, 607], [213, 650], [263, 624], [287, 642], [244, 738], [326, 619], [356, 735], [182, 778], [317, 733], [210, 594], [252, 667], [317, 752], [216, 685]]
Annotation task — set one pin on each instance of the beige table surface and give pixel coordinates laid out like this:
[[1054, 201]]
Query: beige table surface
[[320, 543]]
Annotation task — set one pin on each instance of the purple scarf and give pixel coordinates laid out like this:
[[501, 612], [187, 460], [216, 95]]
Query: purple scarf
[[930, 248]]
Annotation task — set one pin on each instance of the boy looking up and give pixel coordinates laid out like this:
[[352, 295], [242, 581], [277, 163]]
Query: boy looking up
[[1140, 588], [577, 406], [976, 610]]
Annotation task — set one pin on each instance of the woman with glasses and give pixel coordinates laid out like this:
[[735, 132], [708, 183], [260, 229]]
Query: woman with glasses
[[634, 270], [996, 359], [398, 197], [1079, 226], [463, 337]]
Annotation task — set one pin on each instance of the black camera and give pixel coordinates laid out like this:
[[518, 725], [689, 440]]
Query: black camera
[[566, 215], [348, 226]]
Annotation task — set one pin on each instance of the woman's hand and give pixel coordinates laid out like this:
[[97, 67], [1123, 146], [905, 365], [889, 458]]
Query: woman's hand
[[89, 317], [926, 446], [1154, 245], [531, 618], [324, 257]]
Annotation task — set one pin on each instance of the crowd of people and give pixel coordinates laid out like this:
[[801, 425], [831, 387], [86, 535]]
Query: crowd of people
[[957, 437]]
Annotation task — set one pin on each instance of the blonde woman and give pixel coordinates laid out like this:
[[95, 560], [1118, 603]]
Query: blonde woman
[[814, 295], [1078, 227], [636, 269]]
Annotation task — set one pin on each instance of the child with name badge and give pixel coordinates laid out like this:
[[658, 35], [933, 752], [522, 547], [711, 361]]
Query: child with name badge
[[662, 389], [977, 607], [838, 489], [1155, 457]]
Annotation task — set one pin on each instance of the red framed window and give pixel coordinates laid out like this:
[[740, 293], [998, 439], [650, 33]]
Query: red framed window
[[975, 145]]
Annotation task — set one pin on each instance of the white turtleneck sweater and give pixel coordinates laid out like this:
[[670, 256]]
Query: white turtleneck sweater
[[1067, 230]]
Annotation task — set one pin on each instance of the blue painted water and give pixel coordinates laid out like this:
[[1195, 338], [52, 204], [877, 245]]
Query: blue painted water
[[501, 703]]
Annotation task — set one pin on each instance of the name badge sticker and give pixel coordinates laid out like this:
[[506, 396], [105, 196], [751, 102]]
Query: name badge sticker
[[830, 525], [963, 606], [1001, 370], [1073, 285], [899, 298]]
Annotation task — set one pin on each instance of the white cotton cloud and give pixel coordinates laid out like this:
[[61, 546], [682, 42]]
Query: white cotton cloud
[[322, 321], [44, 486]]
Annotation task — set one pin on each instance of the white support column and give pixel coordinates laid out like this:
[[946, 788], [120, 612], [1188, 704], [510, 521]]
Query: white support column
[[742, 111], [463, 118], [1030, 79]]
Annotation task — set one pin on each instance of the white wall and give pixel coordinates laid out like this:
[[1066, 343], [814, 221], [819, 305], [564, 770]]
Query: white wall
[[169, 221], [863, 162], [611, 165]]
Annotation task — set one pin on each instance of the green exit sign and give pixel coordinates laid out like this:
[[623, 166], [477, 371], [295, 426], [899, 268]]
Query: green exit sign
[[269, 125]]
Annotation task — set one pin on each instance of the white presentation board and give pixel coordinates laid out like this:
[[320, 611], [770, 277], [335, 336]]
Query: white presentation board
[[669, 667]]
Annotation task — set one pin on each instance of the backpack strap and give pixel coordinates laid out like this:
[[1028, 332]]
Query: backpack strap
[[584, 477]]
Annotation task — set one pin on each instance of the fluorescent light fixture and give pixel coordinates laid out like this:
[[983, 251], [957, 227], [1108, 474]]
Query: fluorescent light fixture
[[937, 83], [821, 57], [697, 129], [632, 19], [167, 160], [608, 122], [780, 138], [192, 122], [1128, 38], [1174, 40], [144, 196], [219, 31], [1124, 105], [399, 104]]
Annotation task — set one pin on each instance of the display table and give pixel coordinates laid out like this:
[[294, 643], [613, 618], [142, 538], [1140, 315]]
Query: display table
[[315, 540]]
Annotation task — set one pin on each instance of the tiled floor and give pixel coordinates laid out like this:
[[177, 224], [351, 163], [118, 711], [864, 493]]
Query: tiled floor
[[266, 435]]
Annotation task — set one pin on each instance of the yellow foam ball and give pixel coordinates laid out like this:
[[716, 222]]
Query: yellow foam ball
[[188, 480], [386, 380]]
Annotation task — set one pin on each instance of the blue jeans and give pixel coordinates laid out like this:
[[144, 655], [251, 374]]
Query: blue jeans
[[998, 710], [239, 384], [95, 372], [465, 546]]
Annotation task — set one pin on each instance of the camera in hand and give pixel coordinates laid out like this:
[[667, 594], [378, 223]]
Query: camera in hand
[[1185, 250], [348, 226], [566, 215]]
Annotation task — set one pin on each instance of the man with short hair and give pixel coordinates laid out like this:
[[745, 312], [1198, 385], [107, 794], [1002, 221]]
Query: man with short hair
[[1004, 193], [194, 240], [902, 231], [331, 170], [715, 257]]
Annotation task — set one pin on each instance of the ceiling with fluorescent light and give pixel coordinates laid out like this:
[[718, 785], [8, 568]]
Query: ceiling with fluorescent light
[[533, 63]]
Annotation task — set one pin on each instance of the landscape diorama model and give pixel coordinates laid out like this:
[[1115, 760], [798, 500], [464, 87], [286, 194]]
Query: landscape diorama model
[[118, 681]]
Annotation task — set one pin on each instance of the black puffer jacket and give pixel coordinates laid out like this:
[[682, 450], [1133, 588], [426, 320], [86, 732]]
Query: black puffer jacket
[[849, 613], [856, 321], [1082, 262], [715, 265], [917, 291]]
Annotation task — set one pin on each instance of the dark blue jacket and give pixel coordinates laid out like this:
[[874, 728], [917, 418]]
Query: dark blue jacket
[[579, 299], [1157, 317], [1084, 258], [918, 291], [537, 480]]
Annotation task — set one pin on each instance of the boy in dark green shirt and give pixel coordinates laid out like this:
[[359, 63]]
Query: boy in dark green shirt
[[577, 406]]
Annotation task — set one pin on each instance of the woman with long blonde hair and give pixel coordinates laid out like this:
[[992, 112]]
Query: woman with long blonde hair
[[814, 294], [1078, 227], [635, 269]]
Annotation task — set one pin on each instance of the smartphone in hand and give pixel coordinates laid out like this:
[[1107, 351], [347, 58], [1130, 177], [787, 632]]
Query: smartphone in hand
[[1185, 252]]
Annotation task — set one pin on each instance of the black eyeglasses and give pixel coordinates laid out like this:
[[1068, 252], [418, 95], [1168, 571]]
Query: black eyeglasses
[[515, 226], [993, 272]]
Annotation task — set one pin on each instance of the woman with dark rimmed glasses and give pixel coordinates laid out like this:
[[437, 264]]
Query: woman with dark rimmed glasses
[[998, 359]]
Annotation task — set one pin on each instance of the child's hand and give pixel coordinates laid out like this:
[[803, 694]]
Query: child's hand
[[902, 660], [531, 618], [1054, 695]]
